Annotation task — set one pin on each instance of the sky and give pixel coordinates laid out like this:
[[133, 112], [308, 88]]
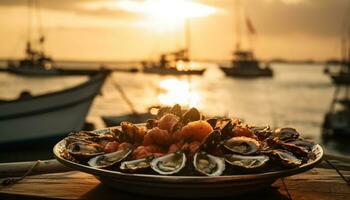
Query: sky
[[142, 29]]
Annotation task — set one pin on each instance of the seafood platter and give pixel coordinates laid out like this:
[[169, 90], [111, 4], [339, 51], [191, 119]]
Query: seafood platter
[[183, 154]]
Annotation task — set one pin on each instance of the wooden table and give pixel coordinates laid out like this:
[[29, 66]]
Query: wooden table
[[317, 184]]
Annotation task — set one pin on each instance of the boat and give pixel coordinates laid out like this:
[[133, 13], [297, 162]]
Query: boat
[[174, 63], [51, 115], [337, 119], [244, 64], [36, 61], [337, 122]]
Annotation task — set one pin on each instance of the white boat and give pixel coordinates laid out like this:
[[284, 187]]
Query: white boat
[[51, 115], [244, 64]]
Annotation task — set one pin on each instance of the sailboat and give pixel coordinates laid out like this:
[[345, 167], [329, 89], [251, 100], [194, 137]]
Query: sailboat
[[337, 120], [36, 61], [174, 63], [342, 75], [244, 63]]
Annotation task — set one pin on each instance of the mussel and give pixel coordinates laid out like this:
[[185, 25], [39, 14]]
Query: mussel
[[246, 162], [191, 115], [208, 165], [242, 145], [211, 142], [169, 164], [109, 159]]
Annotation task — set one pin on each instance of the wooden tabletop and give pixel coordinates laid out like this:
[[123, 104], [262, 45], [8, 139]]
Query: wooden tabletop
[[316, 184]]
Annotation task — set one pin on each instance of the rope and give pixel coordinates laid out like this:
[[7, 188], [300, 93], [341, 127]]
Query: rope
[[123, 95], [11, 181], [338, 171], [286, 189]]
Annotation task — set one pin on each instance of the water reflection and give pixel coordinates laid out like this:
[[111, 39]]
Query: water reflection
[[178, 91]]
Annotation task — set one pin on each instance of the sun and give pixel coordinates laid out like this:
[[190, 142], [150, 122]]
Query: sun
[[167, 9], [166, 15]]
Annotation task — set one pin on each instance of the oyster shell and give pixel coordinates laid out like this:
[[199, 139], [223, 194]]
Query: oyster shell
[[286, 134], [83, 150], [208, 165], [242, 145], [246, 162], [169, 164], [287, 158], [109, 159], [136, 165], [306, 144]]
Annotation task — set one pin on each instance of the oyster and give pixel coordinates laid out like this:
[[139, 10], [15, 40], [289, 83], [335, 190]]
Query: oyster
[[83, 150], [208, 165], [246, 162], [286, 134], [306, 144], [109, 159], [287, 158], [242, 145], [169, 164], [136, 165]]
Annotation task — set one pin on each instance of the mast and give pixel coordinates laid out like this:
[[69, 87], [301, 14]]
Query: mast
[[188, 38], [238, 25]]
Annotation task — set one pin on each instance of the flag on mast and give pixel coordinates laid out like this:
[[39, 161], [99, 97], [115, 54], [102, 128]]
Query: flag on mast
[[250, 26]]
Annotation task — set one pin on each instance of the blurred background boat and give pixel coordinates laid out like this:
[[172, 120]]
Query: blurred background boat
[[175, 63], [337, 120], [51, 115], [244, 64]]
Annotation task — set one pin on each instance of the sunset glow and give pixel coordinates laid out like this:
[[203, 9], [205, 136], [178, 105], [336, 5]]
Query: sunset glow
[[171, 10], [178, 92]]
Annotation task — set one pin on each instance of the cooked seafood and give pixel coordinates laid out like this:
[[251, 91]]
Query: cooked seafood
[[109, 159], [84, 150], [169, 164], [208, 165], [136, 165], [242, 145], [287, 158], [246, 162], [180, 141]]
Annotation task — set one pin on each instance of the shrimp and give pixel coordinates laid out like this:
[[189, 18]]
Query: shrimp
[[196, 131], [111, 147], [168, 121], [157, 136]]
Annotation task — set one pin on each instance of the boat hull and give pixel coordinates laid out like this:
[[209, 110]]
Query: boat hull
[[49, 115], [236, 72], [337, 124], [171, 71], [341, 79], [35, 71]]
